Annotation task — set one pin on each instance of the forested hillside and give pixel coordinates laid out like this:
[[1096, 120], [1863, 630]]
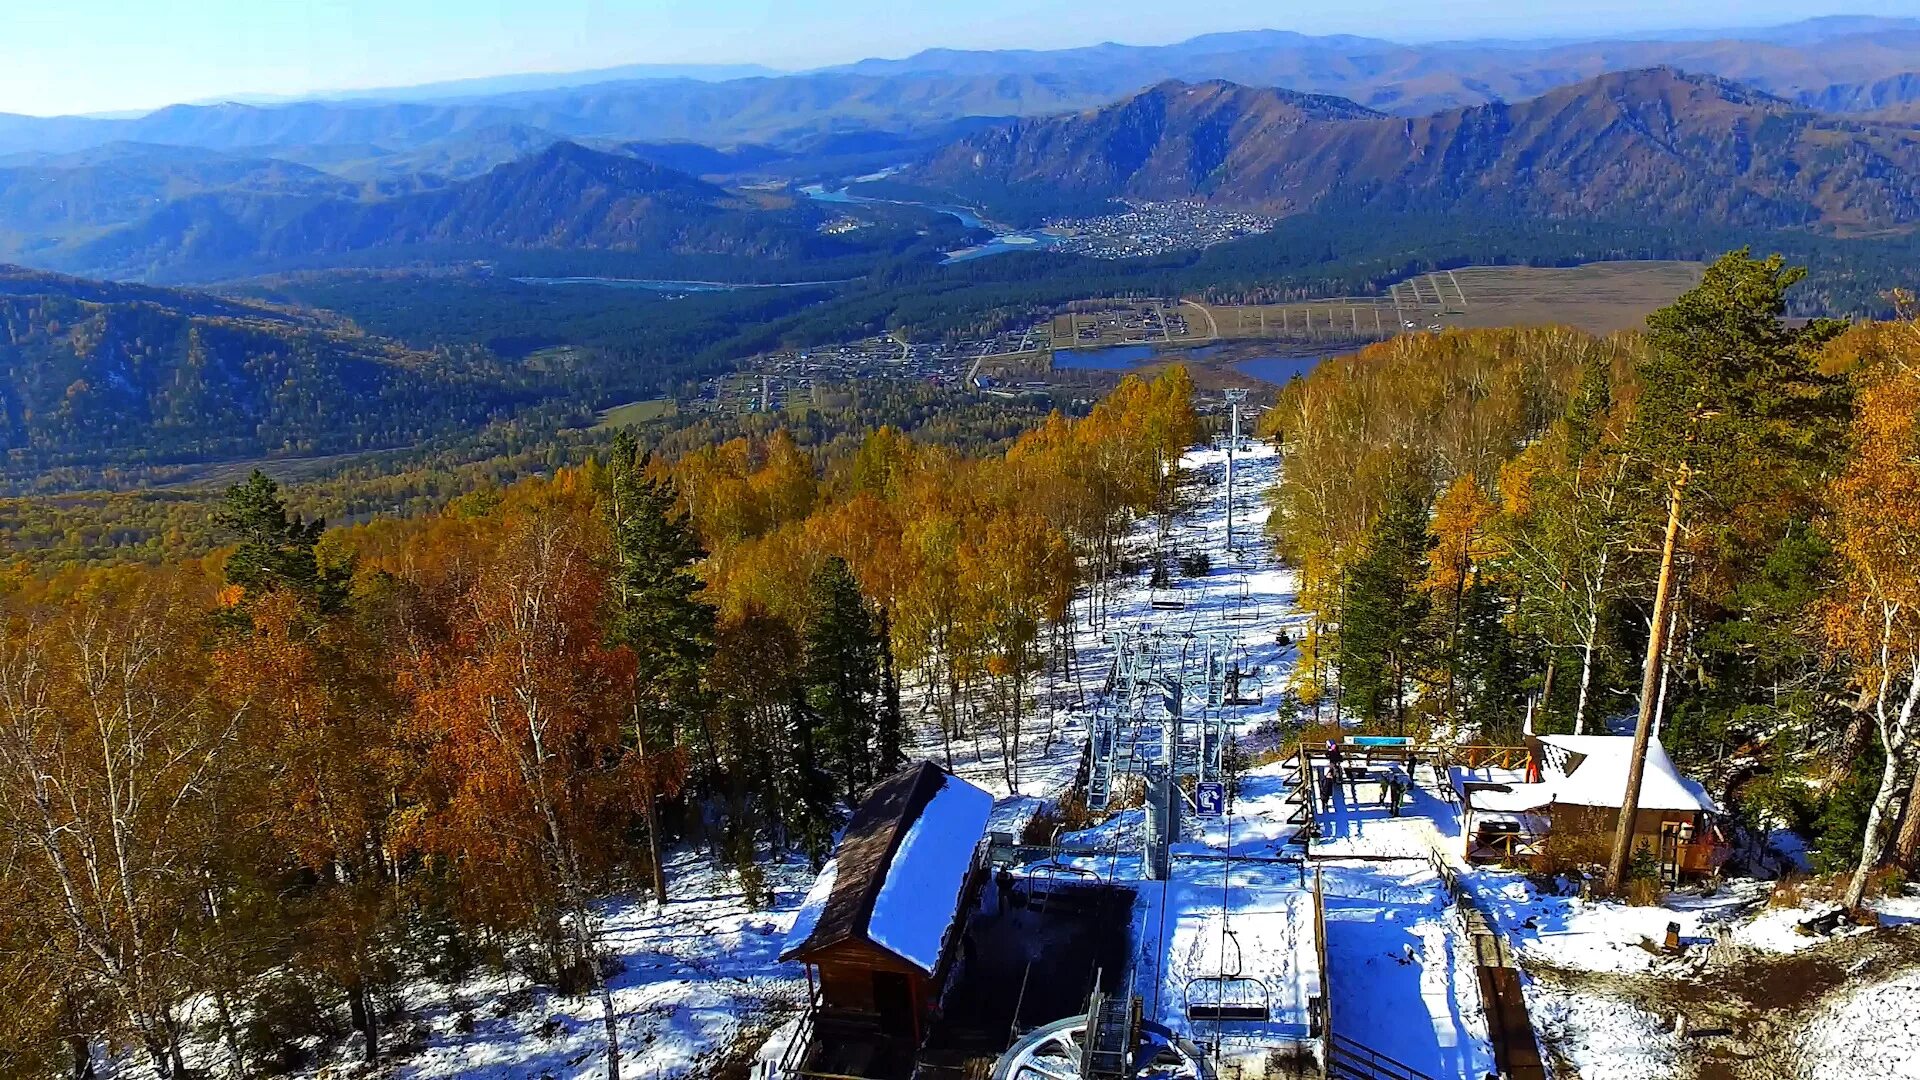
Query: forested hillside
[[1478, 517], [93, 373], [1675, 145], [563, 196]]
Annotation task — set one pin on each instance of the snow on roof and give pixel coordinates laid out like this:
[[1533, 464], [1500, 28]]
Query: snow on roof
[[920, 897], [1600, 777], [808, 917], [895, 879], [1513, 799]]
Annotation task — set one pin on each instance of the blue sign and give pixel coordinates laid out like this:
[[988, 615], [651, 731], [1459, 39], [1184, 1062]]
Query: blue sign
[[1210, 799]]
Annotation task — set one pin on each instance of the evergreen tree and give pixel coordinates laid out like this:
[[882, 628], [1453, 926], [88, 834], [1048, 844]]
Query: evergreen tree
[[841, 675], [1382, 635], [277, 548], [659, 616], [804, 791], [890, 747], [1490, 676]]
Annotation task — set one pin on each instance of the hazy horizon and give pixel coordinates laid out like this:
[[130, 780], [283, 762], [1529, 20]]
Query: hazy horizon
[[223, 50]]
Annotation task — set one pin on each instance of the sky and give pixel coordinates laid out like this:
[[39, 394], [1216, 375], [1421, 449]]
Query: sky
[[81, 56]]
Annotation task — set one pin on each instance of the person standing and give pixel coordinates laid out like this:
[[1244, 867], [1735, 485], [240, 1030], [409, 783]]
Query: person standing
[[1396, 788], [1331, 778]]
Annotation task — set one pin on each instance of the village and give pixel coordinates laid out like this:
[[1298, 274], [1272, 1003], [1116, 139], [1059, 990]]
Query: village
[[1172, 883]]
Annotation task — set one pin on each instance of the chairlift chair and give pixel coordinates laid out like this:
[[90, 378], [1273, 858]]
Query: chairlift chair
[[1043, 882], [1244, 606], [1228, 996], [1237, 693]]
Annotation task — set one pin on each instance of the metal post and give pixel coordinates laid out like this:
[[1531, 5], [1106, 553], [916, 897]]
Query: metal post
[[1234, 395]]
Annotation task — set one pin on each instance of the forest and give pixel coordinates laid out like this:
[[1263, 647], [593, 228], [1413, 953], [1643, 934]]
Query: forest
[[249, 790], [242, 796], [1481, 520]]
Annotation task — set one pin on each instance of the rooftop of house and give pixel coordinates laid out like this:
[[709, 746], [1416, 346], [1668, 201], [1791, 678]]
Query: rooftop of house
[[896, 878]]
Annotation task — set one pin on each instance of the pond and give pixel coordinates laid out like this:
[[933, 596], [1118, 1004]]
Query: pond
[[1105, 358]]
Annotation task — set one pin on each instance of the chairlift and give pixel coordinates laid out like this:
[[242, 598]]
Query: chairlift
[[1043, 882], [1161, 594], [1245, 607], [1237, 686], [1229, 996]]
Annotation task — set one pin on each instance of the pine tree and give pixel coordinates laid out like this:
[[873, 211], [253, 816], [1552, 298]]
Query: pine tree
[[805, 792], [1731, 417], [841, 675], [1382, 635], [277, 548], [659, 616], [890, 751]]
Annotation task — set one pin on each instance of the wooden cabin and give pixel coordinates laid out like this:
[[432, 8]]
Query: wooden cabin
[[1575, 785], [880, 930]]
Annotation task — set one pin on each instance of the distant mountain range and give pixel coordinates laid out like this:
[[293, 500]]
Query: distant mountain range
[[1657, 143], [564, 196], [1811, 124], [1827, 62]]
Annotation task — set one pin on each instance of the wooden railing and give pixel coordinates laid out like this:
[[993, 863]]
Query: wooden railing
[[1509, 848], [1485, 757], [1348, 1059], [1320, 1009]]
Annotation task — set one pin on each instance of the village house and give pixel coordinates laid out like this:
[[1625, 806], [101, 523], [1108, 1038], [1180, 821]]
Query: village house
[[879, 932]]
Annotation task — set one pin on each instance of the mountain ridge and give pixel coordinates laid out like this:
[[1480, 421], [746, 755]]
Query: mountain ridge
[[564, 196], [944, 85], [1685, 143]]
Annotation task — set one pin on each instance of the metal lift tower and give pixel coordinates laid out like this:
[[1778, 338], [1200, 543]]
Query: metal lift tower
[[1235, 395]]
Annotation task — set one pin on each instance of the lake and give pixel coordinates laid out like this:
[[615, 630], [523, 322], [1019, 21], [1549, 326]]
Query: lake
[[1278, 370]]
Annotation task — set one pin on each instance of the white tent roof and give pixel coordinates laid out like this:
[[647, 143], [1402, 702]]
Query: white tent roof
[[1600, 778]]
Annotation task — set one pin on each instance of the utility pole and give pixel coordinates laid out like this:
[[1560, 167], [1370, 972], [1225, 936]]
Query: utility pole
[[1649, 690], [1235, 396]]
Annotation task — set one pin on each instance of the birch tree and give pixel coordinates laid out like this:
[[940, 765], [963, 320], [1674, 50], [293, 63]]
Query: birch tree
[[1876, 619]]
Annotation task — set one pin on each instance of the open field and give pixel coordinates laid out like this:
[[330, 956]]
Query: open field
[[1097, 323], [635, 412], [1598, 297]]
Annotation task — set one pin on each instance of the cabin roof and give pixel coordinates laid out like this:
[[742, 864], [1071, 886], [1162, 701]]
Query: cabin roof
[[1591, 770], [895, 880]]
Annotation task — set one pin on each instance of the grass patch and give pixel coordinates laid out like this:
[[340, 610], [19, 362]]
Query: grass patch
[[635, 412]]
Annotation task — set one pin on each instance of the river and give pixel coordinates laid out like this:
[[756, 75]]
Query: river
[[1004, 239]]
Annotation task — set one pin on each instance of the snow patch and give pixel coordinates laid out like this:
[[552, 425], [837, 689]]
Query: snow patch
[[1603, 1037], [1870, 1031]]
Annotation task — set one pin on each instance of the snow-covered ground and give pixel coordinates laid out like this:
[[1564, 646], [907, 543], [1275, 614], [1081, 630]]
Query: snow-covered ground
[[1604, 1038], [1246, 592], [1239, 902], [699, 975], [1868, 1031]]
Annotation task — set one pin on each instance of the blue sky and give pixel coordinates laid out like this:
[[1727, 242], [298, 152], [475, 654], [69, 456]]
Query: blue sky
[[66, 56]]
